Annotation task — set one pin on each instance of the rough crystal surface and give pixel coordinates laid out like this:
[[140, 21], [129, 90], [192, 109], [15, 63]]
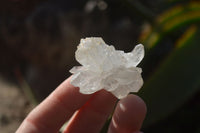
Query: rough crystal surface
[[103, 67]]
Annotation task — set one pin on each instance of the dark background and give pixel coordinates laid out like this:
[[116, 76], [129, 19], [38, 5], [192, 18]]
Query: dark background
[[38, 39]]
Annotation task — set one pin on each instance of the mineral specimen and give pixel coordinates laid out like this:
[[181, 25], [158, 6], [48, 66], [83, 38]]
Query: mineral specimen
[[103, 67]]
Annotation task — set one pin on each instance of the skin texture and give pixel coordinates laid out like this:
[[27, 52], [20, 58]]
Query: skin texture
[[86, 113]]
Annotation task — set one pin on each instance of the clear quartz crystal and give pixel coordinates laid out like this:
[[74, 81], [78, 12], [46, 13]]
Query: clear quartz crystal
[[103, 67]]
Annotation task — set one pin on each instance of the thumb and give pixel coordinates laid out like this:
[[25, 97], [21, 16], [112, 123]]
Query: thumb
[[128, 116]]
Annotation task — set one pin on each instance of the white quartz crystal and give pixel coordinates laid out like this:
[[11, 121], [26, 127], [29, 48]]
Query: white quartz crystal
[[103, 67]]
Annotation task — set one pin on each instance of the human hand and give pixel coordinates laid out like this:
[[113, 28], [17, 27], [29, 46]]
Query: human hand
[[86, 113]]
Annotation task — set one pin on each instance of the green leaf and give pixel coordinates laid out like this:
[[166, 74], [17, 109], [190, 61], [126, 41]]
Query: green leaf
[[171, 20], [175, 81]]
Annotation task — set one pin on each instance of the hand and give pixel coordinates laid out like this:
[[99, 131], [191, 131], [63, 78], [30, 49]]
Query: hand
[[88, 113]]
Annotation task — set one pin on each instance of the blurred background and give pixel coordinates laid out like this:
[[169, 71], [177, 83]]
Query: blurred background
[[38, 39]]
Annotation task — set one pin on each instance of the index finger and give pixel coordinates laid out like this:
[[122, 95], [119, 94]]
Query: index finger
[[55, 110]]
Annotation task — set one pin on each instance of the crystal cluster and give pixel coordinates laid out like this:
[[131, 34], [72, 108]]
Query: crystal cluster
[[103, 67]]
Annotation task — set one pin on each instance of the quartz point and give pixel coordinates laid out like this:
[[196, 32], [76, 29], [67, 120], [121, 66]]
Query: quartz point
[[103, 67]]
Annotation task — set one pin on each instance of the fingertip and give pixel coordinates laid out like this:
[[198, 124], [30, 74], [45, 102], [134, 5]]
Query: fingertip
[[129, 115], [133, 104], [92, 116]]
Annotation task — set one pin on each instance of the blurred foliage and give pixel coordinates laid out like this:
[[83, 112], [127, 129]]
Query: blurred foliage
[[171, 66], [174, 78], [38, 40]]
